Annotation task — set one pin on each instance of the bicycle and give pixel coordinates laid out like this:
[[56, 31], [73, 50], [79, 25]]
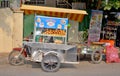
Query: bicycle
[[17, 55], [50, 60], [96, 52]]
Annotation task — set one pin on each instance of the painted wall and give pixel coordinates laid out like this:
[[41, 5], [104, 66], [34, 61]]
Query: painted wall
[[18, 28], [11, 25]]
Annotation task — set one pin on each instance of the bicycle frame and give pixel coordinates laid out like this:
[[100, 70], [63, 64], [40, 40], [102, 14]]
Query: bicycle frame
[[22, 50]]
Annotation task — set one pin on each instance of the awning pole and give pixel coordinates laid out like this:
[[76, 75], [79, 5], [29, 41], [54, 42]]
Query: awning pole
[[34, 28]]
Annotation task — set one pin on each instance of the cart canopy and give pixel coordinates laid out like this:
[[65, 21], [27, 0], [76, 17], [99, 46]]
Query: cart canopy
[[71, 14]]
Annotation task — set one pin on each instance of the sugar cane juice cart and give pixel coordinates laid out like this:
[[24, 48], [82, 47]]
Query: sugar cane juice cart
[[49, 45]]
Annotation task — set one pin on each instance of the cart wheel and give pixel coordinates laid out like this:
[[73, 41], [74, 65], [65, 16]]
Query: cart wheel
[[50, 63], [15, 59], [96, 56]]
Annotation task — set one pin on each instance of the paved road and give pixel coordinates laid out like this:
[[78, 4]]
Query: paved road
[[83, 69]]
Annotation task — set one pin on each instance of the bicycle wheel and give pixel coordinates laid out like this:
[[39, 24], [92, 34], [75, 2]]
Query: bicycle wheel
[[96, 56], [50, 63], [15, 59]]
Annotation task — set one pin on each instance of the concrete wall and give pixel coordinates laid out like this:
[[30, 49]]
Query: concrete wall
[[6, 29], [18, 28], [51, 3], [73, 31], [74, 35], [9, 33]]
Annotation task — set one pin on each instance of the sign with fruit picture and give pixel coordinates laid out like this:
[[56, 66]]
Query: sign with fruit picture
[[51, 22], [50, 29]]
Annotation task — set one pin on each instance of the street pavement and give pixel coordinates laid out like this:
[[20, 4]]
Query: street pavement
[[84, 68]]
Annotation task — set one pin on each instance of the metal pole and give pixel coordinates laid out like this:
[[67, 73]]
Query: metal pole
[[34, 29]]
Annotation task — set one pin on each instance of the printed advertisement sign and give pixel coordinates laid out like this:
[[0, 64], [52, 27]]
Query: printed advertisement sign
[[95, 25], [51, 22]]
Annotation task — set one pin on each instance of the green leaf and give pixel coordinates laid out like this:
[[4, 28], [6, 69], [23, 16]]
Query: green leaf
[[69, 25], [107, 7], [112, 3]]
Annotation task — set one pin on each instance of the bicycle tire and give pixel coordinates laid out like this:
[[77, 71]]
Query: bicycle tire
[[18, 60], [93, 56]]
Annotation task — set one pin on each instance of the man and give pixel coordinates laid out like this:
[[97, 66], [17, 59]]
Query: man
[[29, 38]]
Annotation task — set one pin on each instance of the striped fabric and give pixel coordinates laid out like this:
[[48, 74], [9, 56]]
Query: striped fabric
[[71, 14]]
